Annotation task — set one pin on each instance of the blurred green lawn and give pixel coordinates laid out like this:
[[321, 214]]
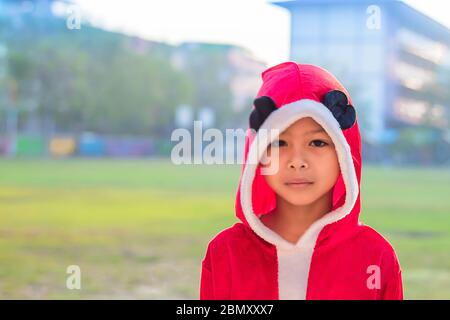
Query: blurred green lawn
[[139, 228]]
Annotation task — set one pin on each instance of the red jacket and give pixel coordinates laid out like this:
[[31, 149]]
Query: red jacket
[[337, 257]]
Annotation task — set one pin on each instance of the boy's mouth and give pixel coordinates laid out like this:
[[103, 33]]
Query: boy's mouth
[[299, 183]]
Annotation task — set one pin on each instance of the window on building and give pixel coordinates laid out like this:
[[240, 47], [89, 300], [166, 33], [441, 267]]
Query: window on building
[[421, 46]]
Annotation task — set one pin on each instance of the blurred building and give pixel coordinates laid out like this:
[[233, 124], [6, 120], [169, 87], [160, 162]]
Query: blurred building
[[392, 58], [246, 77], [228, 79], [239, 69]]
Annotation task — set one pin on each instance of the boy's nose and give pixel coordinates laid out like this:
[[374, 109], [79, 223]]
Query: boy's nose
[[298, 163]]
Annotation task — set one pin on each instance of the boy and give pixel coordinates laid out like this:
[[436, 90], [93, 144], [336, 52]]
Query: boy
[[299, 235]]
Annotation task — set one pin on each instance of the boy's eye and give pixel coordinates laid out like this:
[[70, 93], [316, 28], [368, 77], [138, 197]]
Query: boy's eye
[[278, 143], [319, 143]]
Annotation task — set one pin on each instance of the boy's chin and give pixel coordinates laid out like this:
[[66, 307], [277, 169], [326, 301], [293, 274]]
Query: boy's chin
[[296, 200]]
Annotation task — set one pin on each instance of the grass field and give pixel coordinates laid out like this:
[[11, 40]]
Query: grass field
[[139, 228]]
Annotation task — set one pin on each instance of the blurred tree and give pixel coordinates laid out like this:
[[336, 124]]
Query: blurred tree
[[92, 80], [208, 67]]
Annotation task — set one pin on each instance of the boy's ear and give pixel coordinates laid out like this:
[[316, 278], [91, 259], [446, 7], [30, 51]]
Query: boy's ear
[[264, 106], [344, 113]]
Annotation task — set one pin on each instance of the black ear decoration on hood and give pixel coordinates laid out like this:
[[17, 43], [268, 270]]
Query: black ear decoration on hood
[[264, 106], [344, 113]]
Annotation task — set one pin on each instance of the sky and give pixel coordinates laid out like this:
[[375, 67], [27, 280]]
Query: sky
[[258, 25]]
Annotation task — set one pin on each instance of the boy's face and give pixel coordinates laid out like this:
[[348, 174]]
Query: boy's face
[[308, 166]]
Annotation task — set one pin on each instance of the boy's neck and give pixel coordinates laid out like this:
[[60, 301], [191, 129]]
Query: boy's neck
[[291, 221]]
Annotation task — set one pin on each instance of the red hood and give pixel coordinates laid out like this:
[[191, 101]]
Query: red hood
[[297, 90]]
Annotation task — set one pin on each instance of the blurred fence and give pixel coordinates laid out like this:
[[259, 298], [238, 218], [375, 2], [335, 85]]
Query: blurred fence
[[87, 145]]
